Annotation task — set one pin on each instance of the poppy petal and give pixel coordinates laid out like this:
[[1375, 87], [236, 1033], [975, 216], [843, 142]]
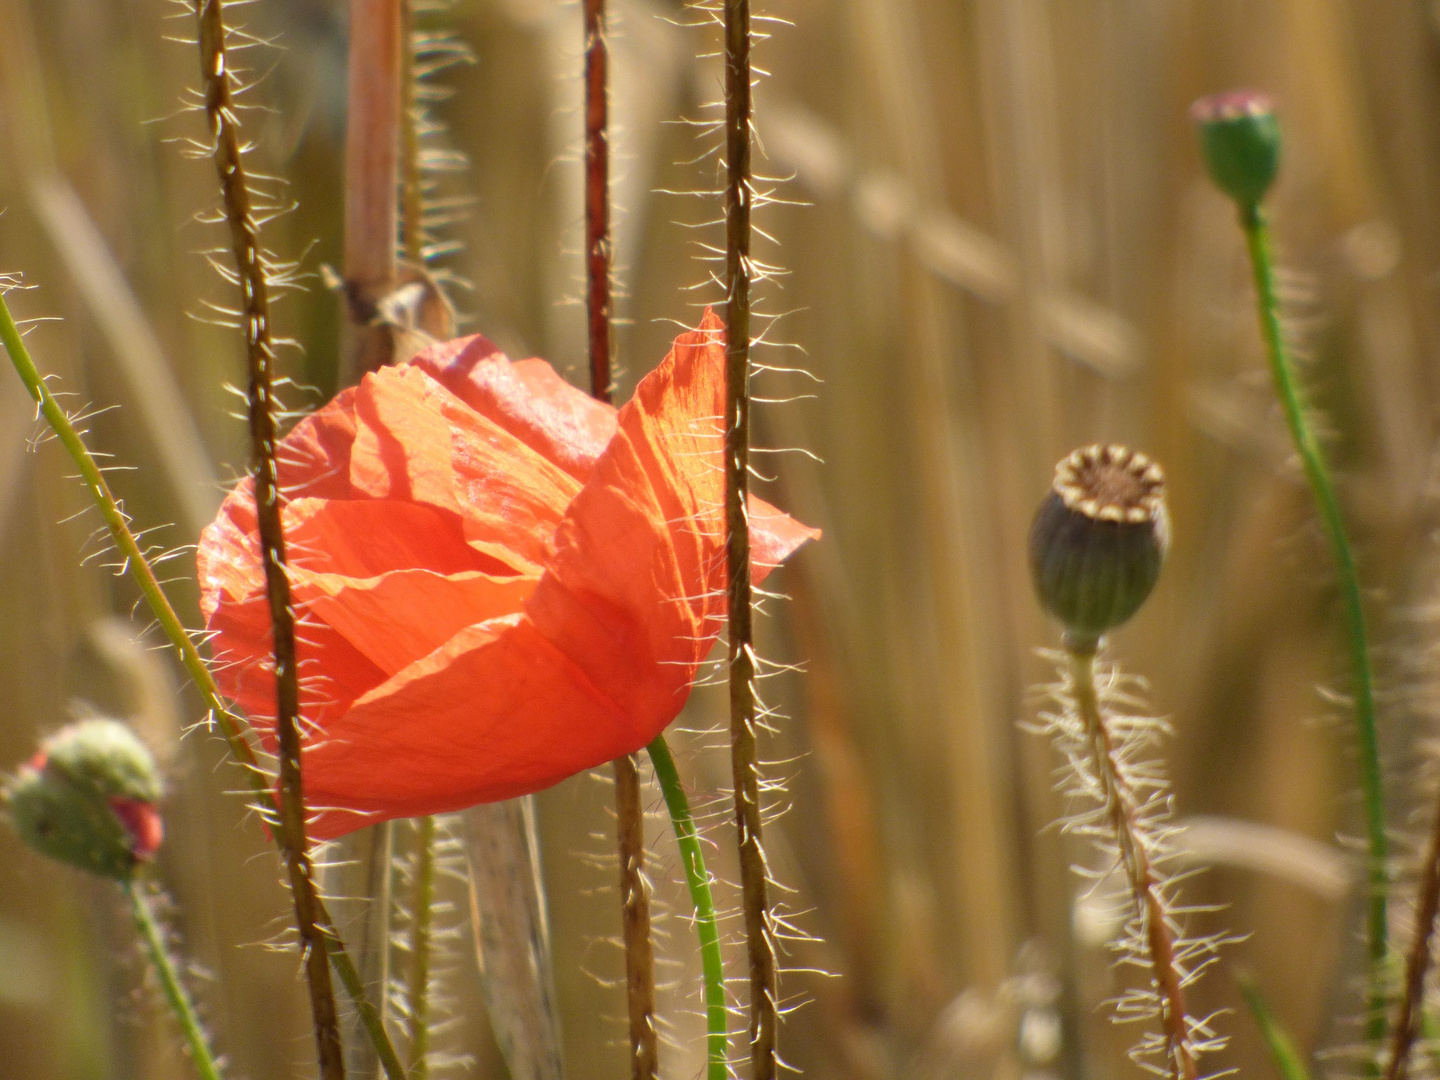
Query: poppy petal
[[495, 713], [400, 617], [417, 441], [527, 398], [607, 648]]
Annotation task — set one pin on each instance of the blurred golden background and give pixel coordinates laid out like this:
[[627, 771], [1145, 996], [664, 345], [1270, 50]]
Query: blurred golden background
[[1002, 247]]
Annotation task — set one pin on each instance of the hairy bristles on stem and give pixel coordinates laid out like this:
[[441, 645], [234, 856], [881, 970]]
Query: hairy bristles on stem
[[257, 778], [754, 875], [629, 817], [1120, 802], [260, 353]]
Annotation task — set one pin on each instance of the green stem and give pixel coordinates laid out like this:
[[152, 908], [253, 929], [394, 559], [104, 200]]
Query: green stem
[[1288, 1062], [1257, 238], [420, 924], [194, 664], [175, 993], [698, 878]]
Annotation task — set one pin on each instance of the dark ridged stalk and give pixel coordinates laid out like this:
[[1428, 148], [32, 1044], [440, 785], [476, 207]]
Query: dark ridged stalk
[[230, 725], [635, 921], [744, 763], [260, 353], [1417, 961], [629, 815]]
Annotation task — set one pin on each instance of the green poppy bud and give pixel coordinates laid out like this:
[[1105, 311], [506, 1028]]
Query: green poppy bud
[[89, 798], [1240, 141], [1099, 539]]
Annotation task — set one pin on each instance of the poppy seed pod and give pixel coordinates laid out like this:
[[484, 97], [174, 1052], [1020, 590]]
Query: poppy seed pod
[[1098, 540], [88, 799], [1240, 140]]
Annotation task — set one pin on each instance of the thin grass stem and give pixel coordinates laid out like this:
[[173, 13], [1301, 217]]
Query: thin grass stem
[[1288, 1062], [230, 725], [1287, 388], [175, 993], [1122, 810], [697, 877]]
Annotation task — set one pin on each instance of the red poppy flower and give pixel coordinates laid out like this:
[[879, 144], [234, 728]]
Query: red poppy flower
[[499, 581]]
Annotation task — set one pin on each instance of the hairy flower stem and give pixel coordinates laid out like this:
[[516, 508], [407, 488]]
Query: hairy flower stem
[[629, 814], [635, 920], [744, 764], [1257, 239], [421, 917], [1417, 961], [175, 993], [597, 198], [1122, 809], [697, 877], [260, 352], [230, 726]]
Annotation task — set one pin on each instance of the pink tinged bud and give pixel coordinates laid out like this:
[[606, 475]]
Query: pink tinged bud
[[143, 822], [1240, 141], [88, 798]]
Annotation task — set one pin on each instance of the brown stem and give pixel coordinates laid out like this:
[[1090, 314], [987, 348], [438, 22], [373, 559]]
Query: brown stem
[[372, 147], [597, 198], [260, 353], [412, 183], [743, 762], [1122, 808], [635, 915], [629, 816], [1417, 962]]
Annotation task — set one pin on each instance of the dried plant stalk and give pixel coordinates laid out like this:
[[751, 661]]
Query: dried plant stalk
[[744, 763], [260, 353], [1120, 802], [1417, 961], [635, 916], [372, 147], [1123, 811]]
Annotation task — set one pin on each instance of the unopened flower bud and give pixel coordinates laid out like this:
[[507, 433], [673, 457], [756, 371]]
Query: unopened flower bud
[[1099, 539], [89, 798], [1240, 140]]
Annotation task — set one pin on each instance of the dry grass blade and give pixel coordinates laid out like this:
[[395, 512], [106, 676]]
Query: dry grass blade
[[512, 936]]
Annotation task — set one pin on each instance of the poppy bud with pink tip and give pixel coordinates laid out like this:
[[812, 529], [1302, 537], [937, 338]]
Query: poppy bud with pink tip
[[1240, 141], [88, 798], [1099, 539]]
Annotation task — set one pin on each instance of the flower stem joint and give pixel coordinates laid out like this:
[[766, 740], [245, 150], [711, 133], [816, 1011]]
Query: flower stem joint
[[1240, 141], [1099, 539], [88, 798]]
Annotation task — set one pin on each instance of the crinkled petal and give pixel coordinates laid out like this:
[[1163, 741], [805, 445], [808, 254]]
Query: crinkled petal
[[417, 441], [400, 617], [607, 648], [527, 398]]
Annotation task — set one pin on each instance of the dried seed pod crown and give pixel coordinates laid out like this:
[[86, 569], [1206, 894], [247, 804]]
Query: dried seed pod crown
[[1099, 539]]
